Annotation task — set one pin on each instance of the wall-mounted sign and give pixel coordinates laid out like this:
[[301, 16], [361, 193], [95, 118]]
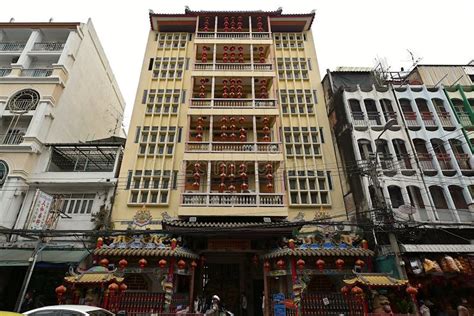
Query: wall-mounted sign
[[142, 218], [228, 244], [40, 210]]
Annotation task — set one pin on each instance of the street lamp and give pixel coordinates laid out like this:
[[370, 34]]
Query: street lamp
[[390, 123]]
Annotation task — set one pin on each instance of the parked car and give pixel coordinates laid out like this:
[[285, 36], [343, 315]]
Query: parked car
[[68, 310]]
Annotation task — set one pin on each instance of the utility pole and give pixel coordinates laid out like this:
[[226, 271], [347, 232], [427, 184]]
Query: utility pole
[[381, 206]]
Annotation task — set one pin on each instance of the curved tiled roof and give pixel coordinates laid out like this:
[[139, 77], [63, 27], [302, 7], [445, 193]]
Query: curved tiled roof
[[310, 252], [135, 252], [95, 277], [371, 279]]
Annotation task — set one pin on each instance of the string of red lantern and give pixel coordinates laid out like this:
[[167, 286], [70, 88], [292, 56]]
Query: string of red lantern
[[239, 24], [199, 128], [261, 54], [266, 129], [223, 175], [259, 24], [204, 54], [263, 89], [226, 24], [231, 186], [243, 176], [206, 24], [197, 176], [225, 89], [269, 176], [202, 88]]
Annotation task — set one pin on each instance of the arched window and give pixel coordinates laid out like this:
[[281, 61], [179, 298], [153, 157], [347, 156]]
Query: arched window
[[23, 101], [3, 172], [396, 197]]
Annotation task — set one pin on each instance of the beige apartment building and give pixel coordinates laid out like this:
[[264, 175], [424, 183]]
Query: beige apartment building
[[229, 133]]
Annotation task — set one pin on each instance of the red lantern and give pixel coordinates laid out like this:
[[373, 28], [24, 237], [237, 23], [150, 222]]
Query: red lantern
[[281, 264], [123, 287], [339, 264], [269, 186], [231, 188], [412, 291], [364, 244], [162, 263], [221, 187], [300, 264], [181, 264], [266, 266], [320, 264], [345, 290], [193, 265], [123, 263], [357, 290], [244, 186], [196, 185], [360, 263], [199, 137], [242, 138], [104, 262], [60, 290], [142, 263], [113, 287]]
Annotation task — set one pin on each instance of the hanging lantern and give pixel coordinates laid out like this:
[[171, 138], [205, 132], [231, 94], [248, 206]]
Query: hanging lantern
[[345, 290], [196, 185], [357, 290], [266, 266], [244, 186], [412, 291], [320, 264], [281, 264], [339, 264], [123, 287], [193, 265], [243, 138], [104, 262], [255, 260], [60, 291], [113, 287], [269, 187], [360, 263], [231, 188], [142, 263], [181, 264], [199, 137], [300, 264], [162, 263], [221, 187], [199, 128], [123, 264], [226, 48], [269, 177]]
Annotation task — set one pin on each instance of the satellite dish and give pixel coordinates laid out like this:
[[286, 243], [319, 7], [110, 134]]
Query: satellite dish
[[407, 209]]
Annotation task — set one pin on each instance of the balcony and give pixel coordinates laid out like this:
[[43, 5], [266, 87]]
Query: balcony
[[5, 72], [232, 199], [428, 120], [444, 160], [445, 119], [411, 119], [426, 163], [48, 47], [358, 120], [234, 35], [12, 138], [37, 73], [11, 47], [465, 119], [464, 163], [234, 66], [233, 103], [233, 147]]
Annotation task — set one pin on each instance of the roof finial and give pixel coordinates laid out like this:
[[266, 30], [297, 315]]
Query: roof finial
[[12, 20], [186, 9], [151, 11], [50, 19]]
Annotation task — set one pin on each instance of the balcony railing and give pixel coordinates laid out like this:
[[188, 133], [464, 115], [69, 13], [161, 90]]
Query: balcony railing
[[390, 115], [11, 47], [233, 66], [465, 216], [374, 118], [234, 35], [46, 72], [444, 161], [404, 162], [428, 119], [426, 161], [445, 119], [12, 138], [464, 119], [48, 47], [233, 103], [410, 118], [232, 199], [358, 119], [463, 161], [5, 72], [444, 215], [232, 147]]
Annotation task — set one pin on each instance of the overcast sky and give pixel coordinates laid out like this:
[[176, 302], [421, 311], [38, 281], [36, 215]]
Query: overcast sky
[[347, 32]]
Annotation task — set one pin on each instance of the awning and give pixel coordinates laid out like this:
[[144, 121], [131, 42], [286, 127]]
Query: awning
[[98, 277], [167, 252], [21, 257], [438, 248], [298, 252], [371, 279]]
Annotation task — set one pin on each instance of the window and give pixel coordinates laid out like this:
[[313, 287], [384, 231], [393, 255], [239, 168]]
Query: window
[[3, 172], [77, 203], [23, 100]]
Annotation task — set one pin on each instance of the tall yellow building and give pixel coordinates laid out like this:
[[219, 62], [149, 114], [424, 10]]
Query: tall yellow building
[[229, 129]]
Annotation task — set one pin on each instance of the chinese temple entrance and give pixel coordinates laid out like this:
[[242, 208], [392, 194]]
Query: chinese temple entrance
[[223, 280]]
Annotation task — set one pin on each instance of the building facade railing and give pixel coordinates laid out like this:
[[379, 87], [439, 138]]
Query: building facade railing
[[233, 66], [48, 46], [11, 47], [232, 199], [45, 72], [5, 72], [13, 138], [232, 147], [232, 103], [234, 35]]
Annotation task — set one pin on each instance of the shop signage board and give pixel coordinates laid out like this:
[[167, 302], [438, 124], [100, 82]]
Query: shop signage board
[[277, 273], [40, 210], [278, 297], [279, 310], [228, 244]]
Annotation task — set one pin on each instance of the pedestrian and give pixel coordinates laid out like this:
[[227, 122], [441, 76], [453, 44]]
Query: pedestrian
[[462, 308], [216, 308], [243, 304], [424, 309]]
